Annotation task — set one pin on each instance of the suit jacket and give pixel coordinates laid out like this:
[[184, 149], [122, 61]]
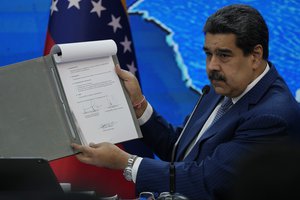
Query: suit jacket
[[267, 114]]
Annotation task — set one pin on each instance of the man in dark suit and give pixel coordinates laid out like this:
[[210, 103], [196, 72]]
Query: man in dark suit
[[250, 105]]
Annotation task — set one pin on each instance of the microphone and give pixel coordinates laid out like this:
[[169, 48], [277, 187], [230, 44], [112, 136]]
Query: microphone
[[205, 90]]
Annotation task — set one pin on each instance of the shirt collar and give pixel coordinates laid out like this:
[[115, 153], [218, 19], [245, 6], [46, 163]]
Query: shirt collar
[[252, 84]]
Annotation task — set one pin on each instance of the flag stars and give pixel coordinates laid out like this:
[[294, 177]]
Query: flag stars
[[74, 3], [132, 68], [126, 44], [115, 23], [53, 6], [97, 7]]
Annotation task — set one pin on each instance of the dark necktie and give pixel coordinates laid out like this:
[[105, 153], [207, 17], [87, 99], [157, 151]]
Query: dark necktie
[[226, 104]]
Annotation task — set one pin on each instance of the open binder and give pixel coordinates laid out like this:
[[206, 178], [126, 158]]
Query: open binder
[[71, 95]]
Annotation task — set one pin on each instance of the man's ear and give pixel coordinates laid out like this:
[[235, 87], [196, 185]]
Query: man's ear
[[257, 55]]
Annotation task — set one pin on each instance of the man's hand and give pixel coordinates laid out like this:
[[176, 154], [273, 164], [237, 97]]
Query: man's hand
[[131, 84], [134, 90], [102, 155]]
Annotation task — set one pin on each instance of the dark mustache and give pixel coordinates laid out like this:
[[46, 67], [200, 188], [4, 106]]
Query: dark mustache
[[215, 75]]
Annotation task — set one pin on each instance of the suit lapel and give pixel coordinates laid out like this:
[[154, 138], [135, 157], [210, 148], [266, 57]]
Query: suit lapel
[[216, 128], [195, 125]]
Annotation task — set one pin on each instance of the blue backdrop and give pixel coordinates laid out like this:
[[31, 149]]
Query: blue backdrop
[[168, 41]]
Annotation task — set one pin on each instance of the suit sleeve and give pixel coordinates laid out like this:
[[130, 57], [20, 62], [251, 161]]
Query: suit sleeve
[[160, 135]]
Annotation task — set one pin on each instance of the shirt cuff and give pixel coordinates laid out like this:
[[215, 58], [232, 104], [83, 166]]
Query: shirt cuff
[[135, 168], [146, 115]]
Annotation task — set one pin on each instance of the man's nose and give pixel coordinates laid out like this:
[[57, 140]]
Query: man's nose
[[213, 63]]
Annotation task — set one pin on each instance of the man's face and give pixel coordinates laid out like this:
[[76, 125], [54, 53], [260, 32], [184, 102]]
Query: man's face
[[228, 69]]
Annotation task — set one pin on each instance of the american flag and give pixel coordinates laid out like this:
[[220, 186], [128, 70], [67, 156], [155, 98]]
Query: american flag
[[89, 20]]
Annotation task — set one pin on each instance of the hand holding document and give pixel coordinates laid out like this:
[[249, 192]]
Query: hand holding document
[[94, 92]]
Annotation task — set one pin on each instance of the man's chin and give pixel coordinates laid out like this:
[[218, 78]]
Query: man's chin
[[217, 84], [219, 89]]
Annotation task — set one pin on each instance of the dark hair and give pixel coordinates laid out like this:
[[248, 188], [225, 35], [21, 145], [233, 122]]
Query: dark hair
[[245, 22]]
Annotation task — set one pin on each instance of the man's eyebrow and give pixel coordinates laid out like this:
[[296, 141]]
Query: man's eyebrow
[[220, 50], [205, 49], [224, 51]]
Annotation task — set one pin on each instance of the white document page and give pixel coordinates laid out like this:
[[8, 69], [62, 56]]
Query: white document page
[[95, 95]]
